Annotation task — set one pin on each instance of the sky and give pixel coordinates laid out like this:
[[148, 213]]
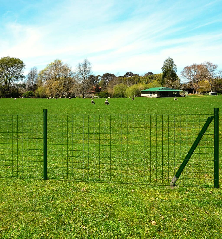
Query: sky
[[115, 36]]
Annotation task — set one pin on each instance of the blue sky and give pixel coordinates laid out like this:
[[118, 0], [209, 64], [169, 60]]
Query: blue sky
[[116, 36]]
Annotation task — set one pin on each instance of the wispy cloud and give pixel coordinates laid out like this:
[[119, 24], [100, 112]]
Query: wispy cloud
[[117, 36]]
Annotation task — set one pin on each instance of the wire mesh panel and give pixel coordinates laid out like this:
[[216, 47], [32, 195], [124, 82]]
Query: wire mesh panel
[[21, 146], [129, 148], [199, 169], [126, 148], [6, 146], [30, 146]]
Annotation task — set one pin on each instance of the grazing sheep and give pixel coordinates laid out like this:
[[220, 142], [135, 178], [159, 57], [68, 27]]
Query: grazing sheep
[[93, 102], [106, 102]]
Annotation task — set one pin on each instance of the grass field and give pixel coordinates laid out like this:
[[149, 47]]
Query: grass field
[[68, 209], [186, 105]]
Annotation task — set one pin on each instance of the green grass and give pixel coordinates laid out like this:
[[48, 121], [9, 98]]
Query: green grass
[[68, 209], [65, 209], [184, 105]]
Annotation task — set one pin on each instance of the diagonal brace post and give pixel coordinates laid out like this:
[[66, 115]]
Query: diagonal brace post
[[192, 149]]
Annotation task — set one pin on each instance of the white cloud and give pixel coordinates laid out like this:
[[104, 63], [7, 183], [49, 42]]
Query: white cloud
[[115, 36]]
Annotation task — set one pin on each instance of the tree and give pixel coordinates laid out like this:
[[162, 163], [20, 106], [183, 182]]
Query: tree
[[169, 70], [211, 74], [129, 74], [83, 73], [204, 86], [218, 85], [119, 90], [93, 84], [106, 79], [201, 72], [31, 83], [149, 78], [148, 73], [135, 90], [193, 74], [57, 79], [11, 71]]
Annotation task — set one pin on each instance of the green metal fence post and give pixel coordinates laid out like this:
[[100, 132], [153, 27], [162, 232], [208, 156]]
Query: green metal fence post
[[216, 147], [45, 144]]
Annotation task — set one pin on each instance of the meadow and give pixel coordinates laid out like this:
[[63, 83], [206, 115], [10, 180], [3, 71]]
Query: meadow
[[184, 105], [33, 208]]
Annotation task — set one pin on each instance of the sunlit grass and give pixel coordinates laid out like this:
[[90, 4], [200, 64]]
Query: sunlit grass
[[65, 209], [33, 208]]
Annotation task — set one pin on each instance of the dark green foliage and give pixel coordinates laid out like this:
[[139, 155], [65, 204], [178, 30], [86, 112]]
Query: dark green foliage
[[11, 71], [169, 77], [28, 94]]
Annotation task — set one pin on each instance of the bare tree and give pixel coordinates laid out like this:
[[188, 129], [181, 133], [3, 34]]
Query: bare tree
[[31, 83], [83, 73], [193, 75], [211, 74], [197, 73]]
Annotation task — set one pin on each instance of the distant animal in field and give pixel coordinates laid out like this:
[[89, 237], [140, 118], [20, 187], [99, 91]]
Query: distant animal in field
[[175, 98], [93, 102], [106, 102]]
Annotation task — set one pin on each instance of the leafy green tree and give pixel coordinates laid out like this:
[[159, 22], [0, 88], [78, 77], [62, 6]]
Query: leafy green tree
[[119, 90], [135, 90], [57, 79], [153, 84], [204, 86], [169, 70], [40, 92], [11, 71], [149, 78], [218, 85]]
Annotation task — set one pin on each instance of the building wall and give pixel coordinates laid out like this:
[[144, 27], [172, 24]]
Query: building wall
[[151, 95], [160, 94]]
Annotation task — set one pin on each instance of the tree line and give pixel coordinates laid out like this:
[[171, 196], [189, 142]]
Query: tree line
[[58, 79]]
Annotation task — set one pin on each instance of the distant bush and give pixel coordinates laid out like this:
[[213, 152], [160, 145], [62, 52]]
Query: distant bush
[[135, 90], [103, 94], [28, 94], [119, 91]]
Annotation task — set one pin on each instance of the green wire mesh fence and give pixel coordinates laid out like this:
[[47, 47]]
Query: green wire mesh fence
[[21, 146], [132, 148]]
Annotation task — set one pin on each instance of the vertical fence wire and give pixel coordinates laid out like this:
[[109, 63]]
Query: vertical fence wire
[[122, 148]]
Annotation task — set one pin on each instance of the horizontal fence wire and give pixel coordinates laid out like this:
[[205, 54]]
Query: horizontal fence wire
[[124, 148], [21, 146]]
